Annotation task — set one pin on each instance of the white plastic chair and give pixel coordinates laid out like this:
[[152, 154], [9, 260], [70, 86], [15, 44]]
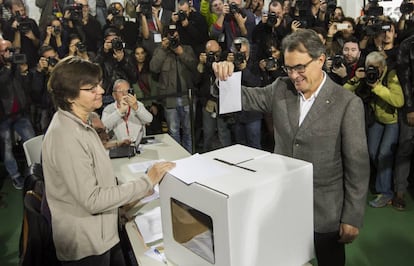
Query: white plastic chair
[[32, 149]]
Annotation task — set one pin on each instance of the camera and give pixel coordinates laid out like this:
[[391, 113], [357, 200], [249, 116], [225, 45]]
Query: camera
[[211, 58], [406, 8], [271, 63], [239, 57], [372, 74], [117, 44], [271, 19], [146, 8], [234, 8], [173, 40], [81, 47], [131, 91], [19, 59], [374, 9], [75, 10], [25, 25], [181, 15], [338, 61], [56, 30], [377, 26], [113, 10], [51, 61]]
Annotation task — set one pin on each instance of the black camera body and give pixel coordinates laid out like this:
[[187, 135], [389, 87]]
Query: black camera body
[[181, 15], [81, 47], [234, 8], [271, 19], [146, 8], [372, 74], [117, 44], [377, 26], [173, 42], [239, 57], [57, 30], [131, 91], [19, 59], [113, 11], [75, 10], [338, 61], [51, 61], [407, 8], [25, 25], [271, 63]]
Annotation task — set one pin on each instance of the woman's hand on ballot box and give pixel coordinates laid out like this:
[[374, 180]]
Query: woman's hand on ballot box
[[158, 170]]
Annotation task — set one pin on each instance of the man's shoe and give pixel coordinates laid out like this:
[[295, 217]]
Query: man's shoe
[[18, 182], [380, 201]]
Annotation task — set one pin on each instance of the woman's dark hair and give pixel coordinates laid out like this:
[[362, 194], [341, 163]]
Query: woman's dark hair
[[68, 76]]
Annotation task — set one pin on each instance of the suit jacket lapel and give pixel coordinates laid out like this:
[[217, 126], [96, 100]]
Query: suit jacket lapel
[[293, 107], [324, 101]]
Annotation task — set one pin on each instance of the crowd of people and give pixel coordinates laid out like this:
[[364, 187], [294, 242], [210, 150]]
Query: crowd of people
[[157, 58]]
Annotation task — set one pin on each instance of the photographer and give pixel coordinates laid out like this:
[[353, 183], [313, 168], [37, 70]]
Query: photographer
[[115, 63], [273, 27], [338, 32], [270, 66], [126, 116], [55, 35], [175, 64], [78, 48], [406, 21], [129, 30], [191, 26], [248, 124], [342, 67], [381, 92], [42, 107], [234, 22], [208, 97], [14, 108], [77, 20], [22, 31], [158, 20]]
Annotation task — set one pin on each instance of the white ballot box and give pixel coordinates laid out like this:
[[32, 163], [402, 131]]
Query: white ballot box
[[247, 208]]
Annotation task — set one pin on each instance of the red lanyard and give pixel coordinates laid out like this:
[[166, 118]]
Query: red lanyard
[[125, 117]]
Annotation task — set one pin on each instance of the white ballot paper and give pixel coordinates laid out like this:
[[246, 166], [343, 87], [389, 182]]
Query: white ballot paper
[[230, 94], [149, 224]]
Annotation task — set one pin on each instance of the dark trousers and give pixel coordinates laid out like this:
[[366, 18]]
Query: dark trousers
[[112, 257], [329, 252]]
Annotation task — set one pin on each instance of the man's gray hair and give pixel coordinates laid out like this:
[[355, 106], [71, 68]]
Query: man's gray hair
[[304, 41], [375, 57], [119, 81]]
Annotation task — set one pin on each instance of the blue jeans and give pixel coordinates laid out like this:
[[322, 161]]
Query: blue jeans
[[210, 125], [179, 118], [382, 145], [248, 133], [24, 128]]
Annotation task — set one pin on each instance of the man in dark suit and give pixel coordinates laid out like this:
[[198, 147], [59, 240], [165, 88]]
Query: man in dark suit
[[318, 121]]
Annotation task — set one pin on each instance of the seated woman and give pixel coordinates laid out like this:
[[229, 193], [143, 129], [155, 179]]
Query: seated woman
[[80, 185]]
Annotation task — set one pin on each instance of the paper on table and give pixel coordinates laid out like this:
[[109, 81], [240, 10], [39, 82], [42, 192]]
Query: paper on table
[[149, 224], [142, 166], [196, 168], [230, 94]]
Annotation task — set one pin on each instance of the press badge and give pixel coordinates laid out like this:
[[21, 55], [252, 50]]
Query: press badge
[[157, 37]]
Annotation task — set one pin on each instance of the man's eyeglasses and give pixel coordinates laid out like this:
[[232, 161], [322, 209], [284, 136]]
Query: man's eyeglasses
[[298, 68], [93, 88]]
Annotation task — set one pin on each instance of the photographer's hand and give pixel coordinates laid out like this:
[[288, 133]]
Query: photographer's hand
[[165, 43], [262, 65], [340, 71], [132, 101], [295, 25], [360, 73]]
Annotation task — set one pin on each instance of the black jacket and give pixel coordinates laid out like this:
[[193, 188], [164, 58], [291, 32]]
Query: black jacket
[[405, 72]]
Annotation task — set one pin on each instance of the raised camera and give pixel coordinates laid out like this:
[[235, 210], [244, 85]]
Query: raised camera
[[24, 26], [181, 15], [56, 30], [75, 11], [19, 59], [271, 63], [131, 91], [271, 19], [81, 47], [146, 8], [338, 61], [407, 8], [234, 8], [51, 61], [372, 74], [117, 44]]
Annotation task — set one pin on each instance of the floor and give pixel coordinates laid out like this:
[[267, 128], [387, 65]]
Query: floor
[[387, 237]]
